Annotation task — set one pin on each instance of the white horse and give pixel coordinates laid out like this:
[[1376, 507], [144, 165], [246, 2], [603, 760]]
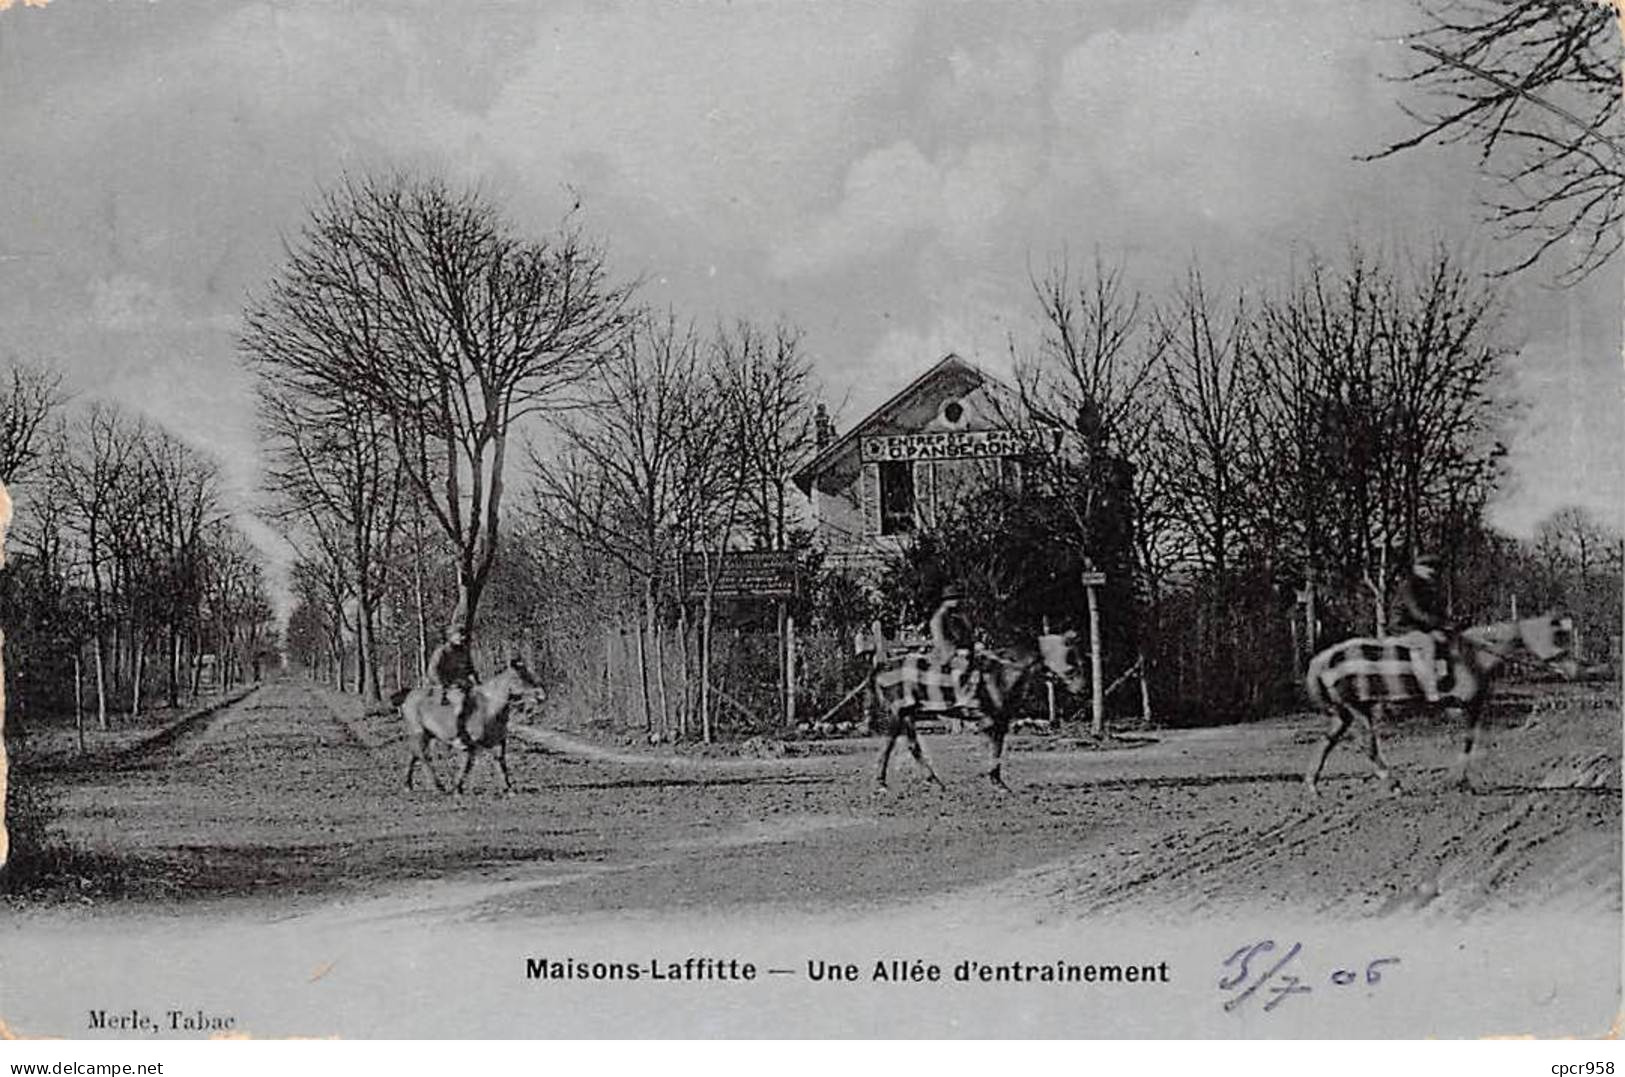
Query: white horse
[[486, 724]]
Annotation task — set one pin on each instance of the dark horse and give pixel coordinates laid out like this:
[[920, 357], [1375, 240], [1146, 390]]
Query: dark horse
[[913, 683], [1352, 677], [487, 722]]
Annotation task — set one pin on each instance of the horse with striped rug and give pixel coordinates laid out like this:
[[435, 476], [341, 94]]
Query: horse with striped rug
[[1351, 678], [982, 690]]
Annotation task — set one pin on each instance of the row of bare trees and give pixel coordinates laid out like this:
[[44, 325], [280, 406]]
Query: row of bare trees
[[411, 334], [128, 572], [1226, 458], [682, 446], [415, 344], [1345, 422], [1266, 449]]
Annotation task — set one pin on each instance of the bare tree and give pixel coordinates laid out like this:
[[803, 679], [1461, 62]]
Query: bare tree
[[1095, 358], [1093, 374], [1582, 553], [92, 464], [28, 398], [712, 487], [334, 470], [420, 299], [771, 384], [1377, 419], [1207, 383], [183, 488], [614, 480], [1534, 85], [320, 587]]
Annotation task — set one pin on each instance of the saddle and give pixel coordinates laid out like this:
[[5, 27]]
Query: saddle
[[440, 719]]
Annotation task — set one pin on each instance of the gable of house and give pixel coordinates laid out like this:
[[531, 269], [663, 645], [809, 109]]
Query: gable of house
[[942, 435]]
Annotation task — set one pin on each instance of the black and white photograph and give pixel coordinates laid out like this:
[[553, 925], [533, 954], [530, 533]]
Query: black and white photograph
[[824, 521]]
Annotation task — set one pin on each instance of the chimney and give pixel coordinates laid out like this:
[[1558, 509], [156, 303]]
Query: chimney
[[823, 427]]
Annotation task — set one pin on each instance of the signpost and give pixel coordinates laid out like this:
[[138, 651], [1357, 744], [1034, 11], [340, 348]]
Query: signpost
[[752, 575], [1093, 581], [742, 574]]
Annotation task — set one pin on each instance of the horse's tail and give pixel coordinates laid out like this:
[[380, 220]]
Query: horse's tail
[[398, 697]]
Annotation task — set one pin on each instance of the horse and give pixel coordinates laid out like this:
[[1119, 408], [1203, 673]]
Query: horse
[[910, 683], [1350, 678], [486, 723]]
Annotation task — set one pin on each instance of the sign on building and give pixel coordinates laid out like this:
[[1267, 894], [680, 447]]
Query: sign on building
[[741, 574], [959, 445]]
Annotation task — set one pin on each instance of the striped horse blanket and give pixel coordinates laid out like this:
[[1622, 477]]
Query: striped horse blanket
[[919, 681], [1372, 670]]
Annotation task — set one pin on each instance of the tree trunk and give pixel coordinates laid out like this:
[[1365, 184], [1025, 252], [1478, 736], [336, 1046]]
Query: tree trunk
[[101, 686], [469, 589], [115, 660], [706, 623], [79, 700], [367, 643], [417, 586], [643, 677], [135, 679], [651, 611], [687, 681], [174, 667], [609, 671]]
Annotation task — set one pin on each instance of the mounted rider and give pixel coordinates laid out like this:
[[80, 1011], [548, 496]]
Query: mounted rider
[[953, 641], [452, 668], [1419, 622]]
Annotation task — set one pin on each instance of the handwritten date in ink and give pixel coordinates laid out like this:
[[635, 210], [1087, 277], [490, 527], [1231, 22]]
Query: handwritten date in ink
[[1274, 974]]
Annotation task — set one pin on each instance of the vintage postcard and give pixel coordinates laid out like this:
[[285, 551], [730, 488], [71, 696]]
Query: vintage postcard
[[835, 521]]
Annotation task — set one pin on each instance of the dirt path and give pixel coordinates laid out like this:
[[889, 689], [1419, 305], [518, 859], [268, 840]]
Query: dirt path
[[291, 800]]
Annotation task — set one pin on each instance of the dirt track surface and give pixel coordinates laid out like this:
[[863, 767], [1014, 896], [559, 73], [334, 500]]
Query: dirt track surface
[[292, 799]]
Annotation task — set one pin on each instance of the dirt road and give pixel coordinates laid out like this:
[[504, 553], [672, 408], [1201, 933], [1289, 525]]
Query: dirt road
[[292, 799]]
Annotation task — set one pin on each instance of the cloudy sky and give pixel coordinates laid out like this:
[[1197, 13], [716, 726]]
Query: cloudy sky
[[884, 175]]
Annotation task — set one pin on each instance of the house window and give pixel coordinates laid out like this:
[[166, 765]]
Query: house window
[[1010, 474], [896, 497]]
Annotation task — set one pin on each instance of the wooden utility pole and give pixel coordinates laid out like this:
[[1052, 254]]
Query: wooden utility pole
[[1049, 686], [1092, 581], [789, 670], [1145, 689]]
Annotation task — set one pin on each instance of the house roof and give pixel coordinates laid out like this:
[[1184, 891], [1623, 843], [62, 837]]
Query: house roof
[[948, 364]]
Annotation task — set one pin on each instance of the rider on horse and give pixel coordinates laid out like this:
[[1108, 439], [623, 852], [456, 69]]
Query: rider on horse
[[1419, 620], [953, 640], [452, 668]]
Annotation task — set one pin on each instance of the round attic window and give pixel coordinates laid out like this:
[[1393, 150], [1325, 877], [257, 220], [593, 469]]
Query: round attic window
[[954, 412]]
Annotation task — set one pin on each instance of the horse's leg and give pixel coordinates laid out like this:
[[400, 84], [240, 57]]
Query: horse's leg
[[996, 732], [468, 765], [1340, 725], [894, 729], [1458, 773], [1373, 749], [420, 752], [918, 752], [502, 764]]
